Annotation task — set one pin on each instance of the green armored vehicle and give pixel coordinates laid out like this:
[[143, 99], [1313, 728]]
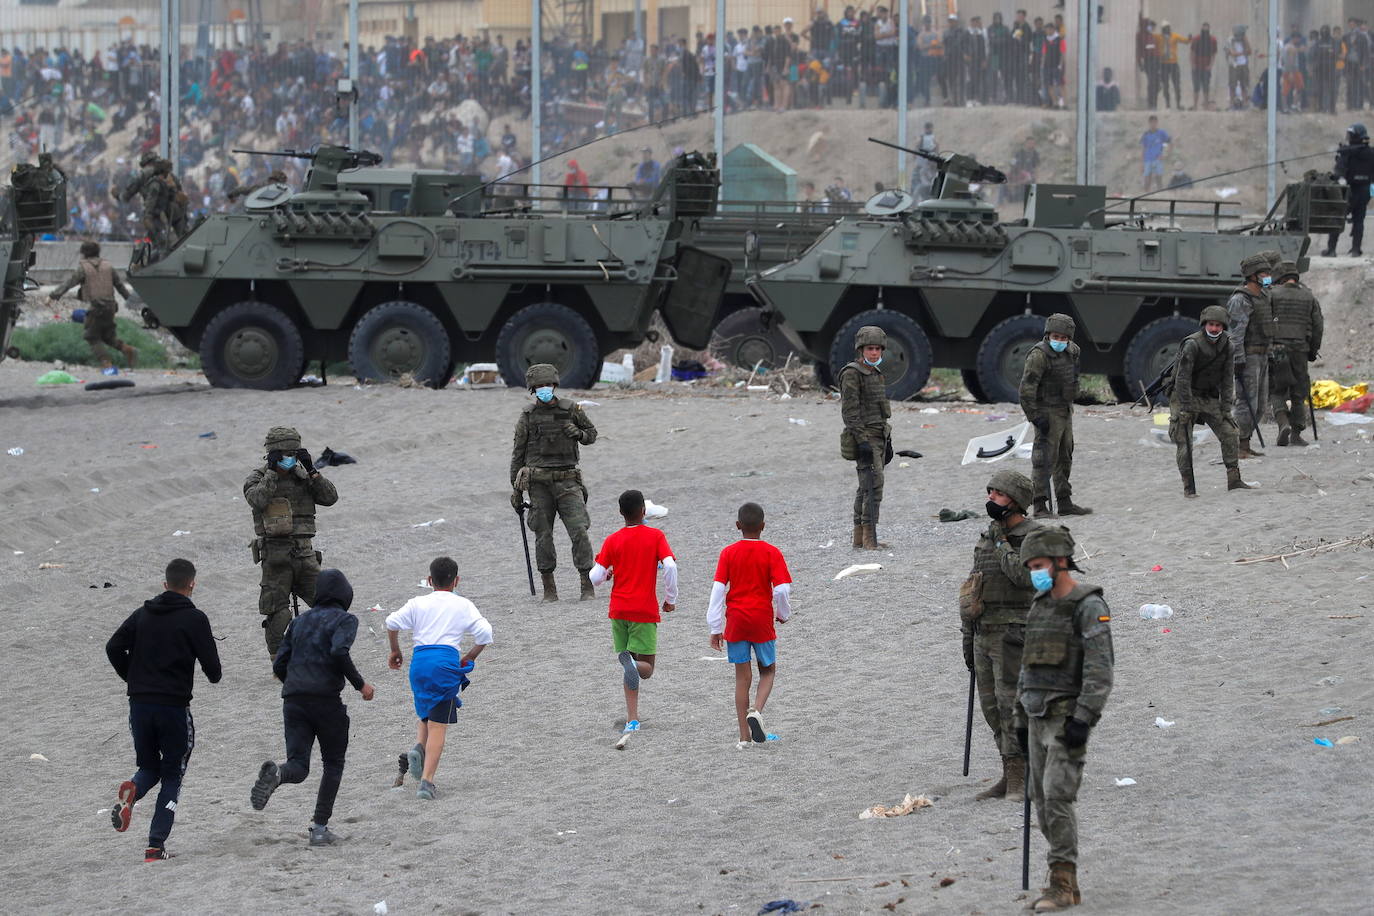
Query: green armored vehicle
[[404, 272], [955, 287], [35, 202]]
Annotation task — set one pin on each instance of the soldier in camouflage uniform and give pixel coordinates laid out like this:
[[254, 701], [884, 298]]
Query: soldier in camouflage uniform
[[1066, 676], [544, 462], [174, 200], [1049, 384], [154, 192], [1297, 338], [1204, 388], [243, 190], [994, 624], [97, 282], [866, 439], [1251, 316], [283, 494]]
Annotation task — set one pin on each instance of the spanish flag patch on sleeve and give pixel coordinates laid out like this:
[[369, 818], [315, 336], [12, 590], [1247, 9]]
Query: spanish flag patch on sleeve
[[1104, 619]]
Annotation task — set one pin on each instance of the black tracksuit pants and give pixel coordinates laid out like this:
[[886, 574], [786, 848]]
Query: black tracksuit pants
[[164, 737], [309, 719]]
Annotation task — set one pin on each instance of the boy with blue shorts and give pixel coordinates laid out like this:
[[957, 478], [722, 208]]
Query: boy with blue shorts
[[632, 556], [752, 590], [438, 669]]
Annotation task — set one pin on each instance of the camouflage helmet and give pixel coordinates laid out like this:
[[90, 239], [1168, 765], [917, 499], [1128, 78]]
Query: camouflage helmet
[[282, 439], [1215, 313], [1050, 541], [1286, 269], [277, 177], [148, 158], [870, 336], [1253, 264], [1273, 256], [539, 375], [1059, 323], [1015, 484]]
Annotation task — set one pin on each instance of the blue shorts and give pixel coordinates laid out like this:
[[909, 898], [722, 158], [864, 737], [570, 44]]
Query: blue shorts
[[1154, 167], [765, 652]]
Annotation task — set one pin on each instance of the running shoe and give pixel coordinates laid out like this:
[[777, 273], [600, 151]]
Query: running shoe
[[156, 854], [415, 761], [322, 836], [426, 790], [630, 728], [124, 805], [269, 777], [755, 720]]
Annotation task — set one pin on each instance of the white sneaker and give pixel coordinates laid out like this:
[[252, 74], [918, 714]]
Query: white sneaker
[[630, 728], [755, 721], [743, 745]]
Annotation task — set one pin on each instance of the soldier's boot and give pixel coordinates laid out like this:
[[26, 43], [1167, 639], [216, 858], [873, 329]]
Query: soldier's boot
[[1247, 452], [1285, 433], [1042, 509], [588, 590], [550, 586], [1067, 507], [1189, 486], [1233, 481], [870, 539], [1059, 895], [997, 789], [858, 537], [1015, 768], [1297, 439]]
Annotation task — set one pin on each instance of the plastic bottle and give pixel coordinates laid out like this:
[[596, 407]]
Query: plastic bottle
[[628, 361], [1155, 611]]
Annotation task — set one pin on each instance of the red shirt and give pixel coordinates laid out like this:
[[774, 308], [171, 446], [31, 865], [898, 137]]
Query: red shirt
[[634, 552], [750, 568]]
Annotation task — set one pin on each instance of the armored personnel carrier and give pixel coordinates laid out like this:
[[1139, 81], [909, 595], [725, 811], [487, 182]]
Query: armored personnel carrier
[[34, 202], [405, 272], [955, 287]]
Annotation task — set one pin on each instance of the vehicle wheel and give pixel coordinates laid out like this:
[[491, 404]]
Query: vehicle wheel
[[548, 333], [975, 387], [396, 338], [252, 345], [743, 341], [824, 377], [1121, 389], [1153, 348], [1002, 357], [907, 361]]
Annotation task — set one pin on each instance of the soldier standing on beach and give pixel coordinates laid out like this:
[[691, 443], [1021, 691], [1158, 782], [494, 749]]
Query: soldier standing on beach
[[1049, 384], [1250, 318], [1066, 676], [543, 462], [283, 494], [97, 281], [1297, 338], [866, 438], [1204, 388], [994, 629]]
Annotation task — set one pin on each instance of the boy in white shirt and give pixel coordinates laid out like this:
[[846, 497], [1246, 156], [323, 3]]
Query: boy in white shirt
[[438, 622]]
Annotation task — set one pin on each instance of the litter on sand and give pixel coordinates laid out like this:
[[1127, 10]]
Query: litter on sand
[[377, 609], [1125, 781], [330, 458], [752, 474], [1322, 742], [909, 804], [38, 757], [1161, 722], [51, 565], [379, 908], [956, 515], [781, 906], [654, 510], [1347, 419], [179, 533], [429, 524], [857, 568], [16, 452], [1004, 443], [1348, 739], [55, 377], [797, 421]]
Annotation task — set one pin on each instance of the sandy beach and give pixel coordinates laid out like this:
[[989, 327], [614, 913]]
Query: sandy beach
[[1234, 810]]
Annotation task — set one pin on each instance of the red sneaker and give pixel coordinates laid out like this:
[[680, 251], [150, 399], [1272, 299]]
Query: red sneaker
[[124, 806], [156, 854]]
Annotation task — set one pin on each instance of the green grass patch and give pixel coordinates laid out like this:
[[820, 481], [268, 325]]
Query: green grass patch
[[62, 342]]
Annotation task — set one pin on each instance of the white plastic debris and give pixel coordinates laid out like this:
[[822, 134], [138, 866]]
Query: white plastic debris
[[798, 421], [1161, 722], [857, 568], [1126, 781], [429, 524], [588, 403], [423, 584], [665, 364], [379, 908], [930, 410], [38, 757], [377, 608], [1346, 419], [16, 451], [904, 464], [828, 544], [95, 489], [654, 510], [179, 533], [1005, 443]]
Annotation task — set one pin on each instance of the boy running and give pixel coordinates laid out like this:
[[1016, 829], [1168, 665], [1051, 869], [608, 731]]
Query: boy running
[[312, 662], [632, 557], [759, 590], [155, 651], [438, 622]]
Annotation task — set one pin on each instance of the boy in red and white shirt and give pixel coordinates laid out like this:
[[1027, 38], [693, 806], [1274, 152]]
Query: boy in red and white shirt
[[632, 556], [741, 620]]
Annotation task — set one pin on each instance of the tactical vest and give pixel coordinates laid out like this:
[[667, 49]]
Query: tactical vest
[[1209, 367], [1053, 655], [1059, 383], [1261, 318], [1003, 600], [547, 446], [292, 501], [98, 285], [874, 408], [1292, 314]]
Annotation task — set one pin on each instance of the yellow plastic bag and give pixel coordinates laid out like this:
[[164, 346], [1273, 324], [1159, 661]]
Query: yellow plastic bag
[[1327, 393]]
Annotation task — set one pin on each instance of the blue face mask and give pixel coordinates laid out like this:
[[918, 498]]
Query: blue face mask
[[874, 363], [544, 394], [1266, 282], [1059, 346], [287, 463], [1042, 580]]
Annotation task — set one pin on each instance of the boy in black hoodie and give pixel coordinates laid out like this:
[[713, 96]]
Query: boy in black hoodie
[[311, 663], [155, 651]]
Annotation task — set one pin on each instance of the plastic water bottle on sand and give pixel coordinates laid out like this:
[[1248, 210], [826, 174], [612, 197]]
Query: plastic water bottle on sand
[[1155, 611]]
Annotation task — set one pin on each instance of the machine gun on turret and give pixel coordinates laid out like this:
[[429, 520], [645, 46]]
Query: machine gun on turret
[[326, 162], [954, 172]]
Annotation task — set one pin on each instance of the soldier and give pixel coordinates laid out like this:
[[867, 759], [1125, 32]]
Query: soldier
[[276, 177], [1204, 387], [283, 494], [1251, 316], [1297, 337], [1066, 676], [1049, 383], [994, 625], [544, 462], [98, 281], [866, 437], [174, 201], [147, 186], [1355, 165]]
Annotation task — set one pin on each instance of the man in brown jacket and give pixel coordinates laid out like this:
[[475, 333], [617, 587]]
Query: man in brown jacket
[[97, 282]]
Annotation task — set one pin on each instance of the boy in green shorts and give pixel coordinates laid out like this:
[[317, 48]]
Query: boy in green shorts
[[751, 591], [632, 557]]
